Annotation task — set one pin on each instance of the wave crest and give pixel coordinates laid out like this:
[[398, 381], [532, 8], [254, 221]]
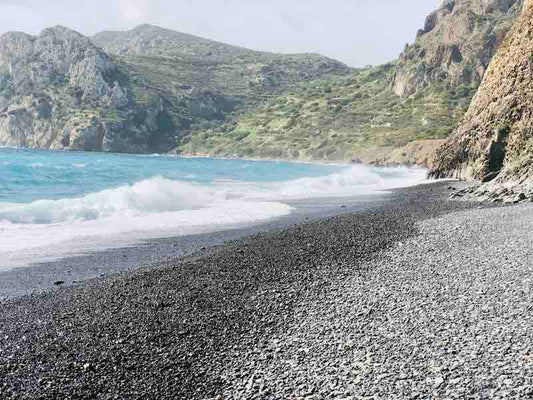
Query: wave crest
[[156, 195], [160, 195]]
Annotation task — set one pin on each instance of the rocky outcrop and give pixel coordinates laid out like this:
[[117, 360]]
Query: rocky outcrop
[[59, 91], [60, 58], [494, 141], [417, 152], [456, 44]]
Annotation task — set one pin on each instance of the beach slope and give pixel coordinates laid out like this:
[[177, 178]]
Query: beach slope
[[421, 297]]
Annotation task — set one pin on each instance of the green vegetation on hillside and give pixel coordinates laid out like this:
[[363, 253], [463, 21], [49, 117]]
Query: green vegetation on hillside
[[157, 90], [334, 119], [229, 101], [199, 84]]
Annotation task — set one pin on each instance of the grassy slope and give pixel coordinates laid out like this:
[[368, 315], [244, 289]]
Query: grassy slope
[[201, 83], [336, 118], [279, 106], [360, 116]]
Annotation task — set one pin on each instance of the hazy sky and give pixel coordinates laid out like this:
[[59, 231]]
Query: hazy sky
[[358, 32]]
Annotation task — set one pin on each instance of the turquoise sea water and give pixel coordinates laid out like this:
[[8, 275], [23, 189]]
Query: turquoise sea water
[[29, 175], [69, 202]]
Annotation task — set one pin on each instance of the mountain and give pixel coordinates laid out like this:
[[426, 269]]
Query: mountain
[[59, 90], [394, 113], [149, 40], [151, 89], [494, 141]]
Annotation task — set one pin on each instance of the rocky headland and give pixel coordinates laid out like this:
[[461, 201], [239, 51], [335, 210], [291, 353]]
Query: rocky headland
[[59, 91], [493, 142]]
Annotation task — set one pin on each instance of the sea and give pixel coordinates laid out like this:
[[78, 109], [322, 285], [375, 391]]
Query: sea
[[55, 204]]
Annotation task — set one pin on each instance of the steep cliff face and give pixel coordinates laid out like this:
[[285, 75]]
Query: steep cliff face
[[59, 91], [495, 138], [456, 44]]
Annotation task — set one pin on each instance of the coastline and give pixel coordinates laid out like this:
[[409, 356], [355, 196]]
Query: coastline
[[51, 242], [76, 269], [214, 324], [416, 153], [346, 163]]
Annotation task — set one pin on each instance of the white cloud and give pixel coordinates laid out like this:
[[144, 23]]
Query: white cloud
[[132, 10]]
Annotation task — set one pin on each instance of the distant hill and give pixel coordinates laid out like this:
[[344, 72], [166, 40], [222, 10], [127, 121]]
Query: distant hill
[[143, 99], [150, 40], [205, 64]]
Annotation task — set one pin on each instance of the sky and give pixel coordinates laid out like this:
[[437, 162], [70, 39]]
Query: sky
[[357, 32]]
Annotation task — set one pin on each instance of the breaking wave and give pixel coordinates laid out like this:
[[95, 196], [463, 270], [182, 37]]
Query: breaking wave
[[161, 207], [156, 195], [159, 195]]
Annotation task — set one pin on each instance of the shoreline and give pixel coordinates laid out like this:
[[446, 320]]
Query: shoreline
[[416, 153], [212, 325], [340, 163], [48, 240], [73, 270]]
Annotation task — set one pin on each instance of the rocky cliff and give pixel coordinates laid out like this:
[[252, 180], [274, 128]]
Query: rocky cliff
[[59, 91], [494, 141], [456, 44]]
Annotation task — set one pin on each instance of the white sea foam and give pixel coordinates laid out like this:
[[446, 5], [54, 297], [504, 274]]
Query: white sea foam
[[160, 207], [23, 242], [160, 195], [153, 196], [357, 180]]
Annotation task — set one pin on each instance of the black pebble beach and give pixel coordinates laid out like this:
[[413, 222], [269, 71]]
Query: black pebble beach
[[212, 325]]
